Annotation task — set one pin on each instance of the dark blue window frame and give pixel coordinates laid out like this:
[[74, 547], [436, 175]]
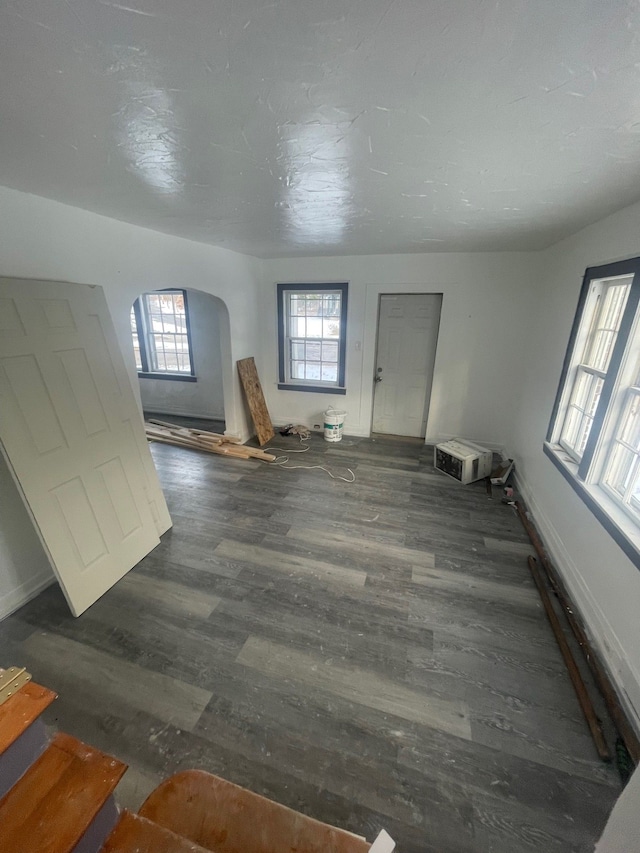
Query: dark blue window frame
[[140, 313], [318, 387], [577, 480]]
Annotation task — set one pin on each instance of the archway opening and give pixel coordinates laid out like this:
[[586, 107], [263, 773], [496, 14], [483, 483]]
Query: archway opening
[[181, 341]]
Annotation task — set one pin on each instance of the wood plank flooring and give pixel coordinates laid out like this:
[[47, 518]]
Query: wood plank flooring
[[373, 654]]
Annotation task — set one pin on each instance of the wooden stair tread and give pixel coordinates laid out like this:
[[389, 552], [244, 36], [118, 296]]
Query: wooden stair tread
[[21, 710], [136, 834], [50, 808], [225, 818]]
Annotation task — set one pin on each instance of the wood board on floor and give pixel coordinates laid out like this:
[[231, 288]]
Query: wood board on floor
[[255, 399]]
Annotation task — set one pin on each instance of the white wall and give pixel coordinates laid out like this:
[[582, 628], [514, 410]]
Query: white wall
[[24, 567], [41, 239], [603, 582], [487, 300], [205, 397]]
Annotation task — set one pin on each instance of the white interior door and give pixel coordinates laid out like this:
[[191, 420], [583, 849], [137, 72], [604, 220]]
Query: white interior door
[[407, 337], [72, 434]]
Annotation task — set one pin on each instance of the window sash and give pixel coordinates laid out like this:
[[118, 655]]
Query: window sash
[[601, 316], [581, 410]]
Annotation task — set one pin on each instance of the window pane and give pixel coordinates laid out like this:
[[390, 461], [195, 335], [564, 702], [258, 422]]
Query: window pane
[[314, 306], [297, 369], [329, 372], [297, 350], [579, 418], [314, 327], [160, 361], [313, 351], [594, 395], [581, 390], [298, 327], [136, 340], [621, 469], [571, 426], [603, 341], [331, 306], [312, 371], [630, 432], [329, 351], [330, 328], [297, 306]]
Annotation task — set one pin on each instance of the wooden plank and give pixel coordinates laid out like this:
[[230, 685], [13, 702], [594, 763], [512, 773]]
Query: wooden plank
[[232, 439], [55, 802], [226, 818], [22, 709], [136, 834], [228, 439], [574, 673], [255, 400], [206, 443]]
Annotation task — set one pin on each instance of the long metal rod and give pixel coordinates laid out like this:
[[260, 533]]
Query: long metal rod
[[607, 690], [574, 673]]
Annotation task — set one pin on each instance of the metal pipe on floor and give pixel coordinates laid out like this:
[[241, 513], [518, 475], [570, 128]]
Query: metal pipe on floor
[[607, 690], [574, 673]]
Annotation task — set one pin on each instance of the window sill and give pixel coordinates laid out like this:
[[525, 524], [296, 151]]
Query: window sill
[[174, 377], [312, 389], [614, 519]]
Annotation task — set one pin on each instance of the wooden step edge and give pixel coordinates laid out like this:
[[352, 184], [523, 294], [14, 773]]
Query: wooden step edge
[[21, 710], [224, 817], [53, 806], [136, 834]]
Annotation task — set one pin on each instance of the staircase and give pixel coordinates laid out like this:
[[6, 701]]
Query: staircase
[[56, 796]]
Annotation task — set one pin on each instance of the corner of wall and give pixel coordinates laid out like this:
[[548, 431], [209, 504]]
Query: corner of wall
[[23, 593]]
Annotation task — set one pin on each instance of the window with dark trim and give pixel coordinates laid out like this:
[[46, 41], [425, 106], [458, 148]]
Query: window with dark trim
[[312, 326], [162, 336], [594, 433]]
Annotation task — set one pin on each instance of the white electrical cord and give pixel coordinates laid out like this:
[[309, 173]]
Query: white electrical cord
[[281, 462]]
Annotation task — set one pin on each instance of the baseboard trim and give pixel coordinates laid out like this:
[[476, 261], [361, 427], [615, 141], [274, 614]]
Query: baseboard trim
[[19, 596], [184, 414], [599, 630]]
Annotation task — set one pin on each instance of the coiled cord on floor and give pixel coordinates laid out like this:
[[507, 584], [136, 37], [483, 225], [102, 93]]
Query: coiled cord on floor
[[281, 462]]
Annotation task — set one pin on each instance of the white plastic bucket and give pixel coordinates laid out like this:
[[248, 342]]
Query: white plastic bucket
[[333, 424]]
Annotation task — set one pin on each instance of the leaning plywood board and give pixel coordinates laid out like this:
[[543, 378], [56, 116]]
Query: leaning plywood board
[[255, 400], [71, 432]]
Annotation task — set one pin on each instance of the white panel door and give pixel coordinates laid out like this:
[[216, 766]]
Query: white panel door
[[407, 337], [73, 437]]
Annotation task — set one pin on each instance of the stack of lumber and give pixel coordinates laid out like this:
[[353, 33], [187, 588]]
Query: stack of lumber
[[200, 439]]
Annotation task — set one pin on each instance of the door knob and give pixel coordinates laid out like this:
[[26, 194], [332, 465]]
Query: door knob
[[378, 377]]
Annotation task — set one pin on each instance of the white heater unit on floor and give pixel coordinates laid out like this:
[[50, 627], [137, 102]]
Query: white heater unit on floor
[[463, 460]]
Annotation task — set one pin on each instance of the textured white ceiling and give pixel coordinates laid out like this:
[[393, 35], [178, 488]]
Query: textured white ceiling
[[325, 127]]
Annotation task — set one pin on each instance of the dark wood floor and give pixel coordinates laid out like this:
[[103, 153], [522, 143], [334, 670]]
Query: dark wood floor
[[372, 654]]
